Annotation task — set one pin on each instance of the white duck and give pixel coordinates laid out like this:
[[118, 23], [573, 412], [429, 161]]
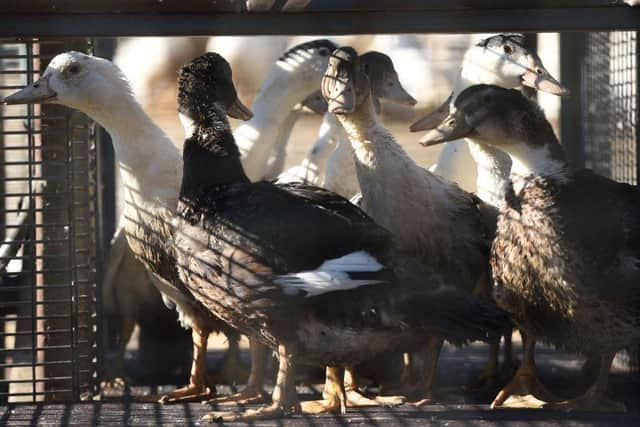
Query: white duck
[[98, 88], [295, 76], [501, 60]]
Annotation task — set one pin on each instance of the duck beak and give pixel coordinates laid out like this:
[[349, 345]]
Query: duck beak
[[539, 78], [342, 99], [398, 94], [316, 103], [37, 92], [239, 111], [433, 119], [449, 129]]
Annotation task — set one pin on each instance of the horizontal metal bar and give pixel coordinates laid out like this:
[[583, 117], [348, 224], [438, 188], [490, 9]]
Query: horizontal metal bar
[[42, 148], [34, 162], [37, 380], [20, 179], [29, 364], [49, 332], [41, 241], [48, 316], [29, 302], [49, 256], [23, 349], [37, 393], [207, 6], [34, 117], [360, 22]]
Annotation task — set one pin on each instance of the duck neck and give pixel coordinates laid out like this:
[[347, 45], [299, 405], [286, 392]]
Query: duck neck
[[135, 136], [494, 168], [282, 90], [537, 160], [210, 158], [378, 158]]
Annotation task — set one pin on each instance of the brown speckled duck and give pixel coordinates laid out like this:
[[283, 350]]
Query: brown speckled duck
[[566, 258]]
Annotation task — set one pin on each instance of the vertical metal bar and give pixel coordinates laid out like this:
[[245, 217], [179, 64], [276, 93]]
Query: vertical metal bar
[[637, 108], [572, 51], [71, 259], [30, 114], [105, 210]]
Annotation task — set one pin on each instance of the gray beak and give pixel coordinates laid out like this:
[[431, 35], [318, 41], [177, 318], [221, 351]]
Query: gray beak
[[38, 92]]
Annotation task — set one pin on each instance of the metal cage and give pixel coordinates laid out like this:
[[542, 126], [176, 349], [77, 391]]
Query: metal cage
[[600, 120], [609, 107], [48, 304]]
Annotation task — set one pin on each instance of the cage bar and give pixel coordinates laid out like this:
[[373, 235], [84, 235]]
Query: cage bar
[[48, 319]]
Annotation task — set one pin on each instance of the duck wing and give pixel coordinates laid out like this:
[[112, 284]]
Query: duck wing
[[601, 219]]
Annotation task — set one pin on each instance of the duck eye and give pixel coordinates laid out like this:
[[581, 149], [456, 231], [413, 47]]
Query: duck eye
[[323, 51], [451, 122], [73, 69], [507, 49]]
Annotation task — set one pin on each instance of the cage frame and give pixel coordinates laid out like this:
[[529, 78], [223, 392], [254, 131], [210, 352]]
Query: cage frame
[[105, 18]]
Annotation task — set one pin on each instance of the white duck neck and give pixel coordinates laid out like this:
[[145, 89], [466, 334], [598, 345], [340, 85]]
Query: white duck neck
[[283, 89], [150, 164], [535, 160], [494, 168]]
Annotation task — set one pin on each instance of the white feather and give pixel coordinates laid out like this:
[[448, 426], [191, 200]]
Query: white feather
[[331, 276]]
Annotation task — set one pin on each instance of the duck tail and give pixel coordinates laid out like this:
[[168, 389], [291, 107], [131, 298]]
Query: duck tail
[[459, 316]]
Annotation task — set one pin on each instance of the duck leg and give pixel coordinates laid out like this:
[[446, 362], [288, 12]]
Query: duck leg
[[115, 378], [509, 362], [198, 388], [426, 385], [489, 376], [232, 370], [357, 399], [525, 389], [334, 398], [284, 398], [595, 398], [253, 392]]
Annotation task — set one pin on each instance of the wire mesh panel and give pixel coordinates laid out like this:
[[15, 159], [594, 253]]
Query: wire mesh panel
[[47, 285], [610, 104]]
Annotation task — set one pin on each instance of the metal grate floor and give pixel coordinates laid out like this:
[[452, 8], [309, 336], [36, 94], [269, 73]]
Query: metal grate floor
[[561, 372]]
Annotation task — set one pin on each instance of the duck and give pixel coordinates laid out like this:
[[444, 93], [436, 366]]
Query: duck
[[99, 89], [502, 60], [432, 218], [566, 254], [485, 170], [330, 161], [295, 76], [295, 265]]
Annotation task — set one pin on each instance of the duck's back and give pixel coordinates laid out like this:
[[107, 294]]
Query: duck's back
[[280, 223]]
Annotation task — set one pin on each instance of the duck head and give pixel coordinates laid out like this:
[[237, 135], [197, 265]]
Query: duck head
[[492, 115], [306, 62], [503, 60], [500, 60], [205, 86], [86, 83], [345, 86], [385, 83]]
